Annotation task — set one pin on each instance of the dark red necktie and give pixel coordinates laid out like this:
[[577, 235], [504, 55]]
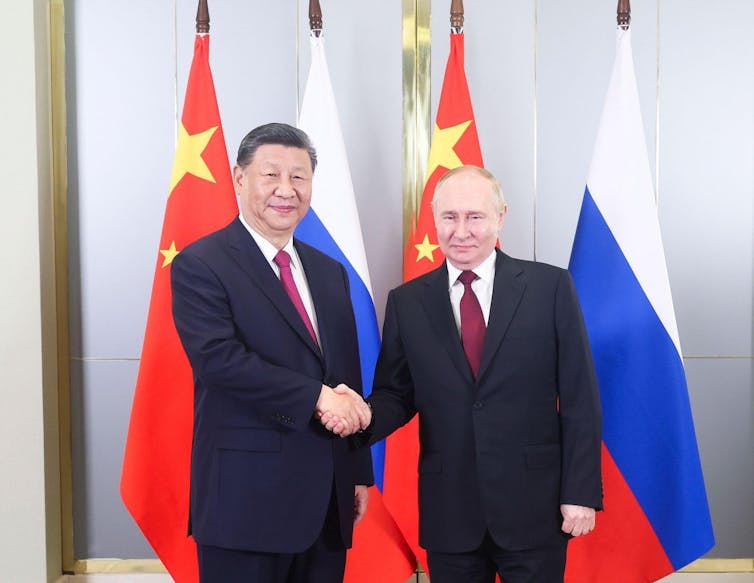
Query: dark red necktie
[[472, 322], [283, 261]]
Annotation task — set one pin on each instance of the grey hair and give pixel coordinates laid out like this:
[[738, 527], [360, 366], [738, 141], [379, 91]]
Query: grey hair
[[497, 191], [274, 134]]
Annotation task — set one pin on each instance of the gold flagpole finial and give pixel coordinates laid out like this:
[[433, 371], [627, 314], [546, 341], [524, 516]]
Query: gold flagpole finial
[[315, 17], [456, 16], [202, 18], [624, 14]]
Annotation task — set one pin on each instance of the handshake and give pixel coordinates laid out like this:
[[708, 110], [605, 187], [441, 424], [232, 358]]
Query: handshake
[[342, 410]]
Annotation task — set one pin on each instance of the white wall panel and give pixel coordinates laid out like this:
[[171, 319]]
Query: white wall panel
[[707, 171]]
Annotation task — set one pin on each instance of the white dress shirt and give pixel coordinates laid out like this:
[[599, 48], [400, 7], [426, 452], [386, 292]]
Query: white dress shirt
[[482, 287]]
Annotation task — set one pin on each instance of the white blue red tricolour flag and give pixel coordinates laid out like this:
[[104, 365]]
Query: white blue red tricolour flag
[[656, 517]]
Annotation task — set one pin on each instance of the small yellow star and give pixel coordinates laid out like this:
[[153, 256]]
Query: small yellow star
[[441, 153], [169, 254], [188, 156], [425, 249]]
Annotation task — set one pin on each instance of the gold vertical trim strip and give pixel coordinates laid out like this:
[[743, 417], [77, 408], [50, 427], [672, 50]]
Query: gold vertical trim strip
[[417, 95], [60, 242]]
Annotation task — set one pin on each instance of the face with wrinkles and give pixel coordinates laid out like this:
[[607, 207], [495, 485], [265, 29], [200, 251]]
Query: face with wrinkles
[[467, 219], [275, 191]]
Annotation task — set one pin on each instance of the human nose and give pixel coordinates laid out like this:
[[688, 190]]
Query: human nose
[[285, 186], [462, 228]]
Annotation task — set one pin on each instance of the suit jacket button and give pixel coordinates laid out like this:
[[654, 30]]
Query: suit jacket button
[[478, 405]]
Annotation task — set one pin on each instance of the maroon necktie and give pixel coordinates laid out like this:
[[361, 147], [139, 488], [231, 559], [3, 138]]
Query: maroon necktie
[[283, 261], [472, 322]]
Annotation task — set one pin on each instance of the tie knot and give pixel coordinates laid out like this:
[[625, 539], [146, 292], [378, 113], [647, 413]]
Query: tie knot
[[282, 259], [467, 277]]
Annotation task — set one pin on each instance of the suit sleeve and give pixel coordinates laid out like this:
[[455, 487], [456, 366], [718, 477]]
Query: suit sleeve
[[392, 398], [220, 360], [580, 411]]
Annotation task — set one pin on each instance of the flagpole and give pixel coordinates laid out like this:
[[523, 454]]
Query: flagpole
[[315, 17], [417, 123], [624, 14], [202, 18], [456, 16]]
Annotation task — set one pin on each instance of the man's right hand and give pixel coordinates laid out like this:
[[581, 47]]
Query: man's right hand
[[342, 410]]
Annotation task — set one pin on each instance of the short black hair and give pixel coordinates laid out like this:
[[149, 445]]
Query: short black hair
[[274, 133]]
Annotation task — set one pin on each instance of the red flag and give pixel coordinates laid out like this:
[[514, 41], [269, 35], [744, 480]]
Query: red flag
[[454, 143], [379, 554], [156, 466]]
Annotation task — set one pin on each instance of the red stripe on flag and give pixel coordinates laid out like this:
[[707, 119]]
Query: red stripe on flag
[[623, 547]]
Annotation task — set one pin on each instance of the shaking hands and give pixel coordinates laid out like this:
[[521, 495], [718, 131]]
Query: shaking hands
[[342, 410]]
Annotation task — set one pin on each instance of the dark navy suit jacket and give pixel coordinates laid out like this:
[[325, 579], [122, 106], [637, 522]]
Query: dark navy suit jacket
[[501, 453], [262, 468]]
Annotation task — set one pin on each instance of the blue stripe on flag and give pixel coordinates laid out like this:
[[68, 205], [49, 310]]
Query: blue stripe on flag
[[312, 231], [648, 427]]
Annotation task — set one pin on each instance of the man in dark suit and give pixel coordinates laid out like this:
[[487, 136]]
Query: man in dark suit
[[268, 326], [492, 353]]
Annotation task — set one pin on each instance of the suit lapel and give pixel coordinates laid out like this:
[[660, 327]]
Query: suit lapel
[[253, 263], [507, 292], [436, 303], [318, 288]]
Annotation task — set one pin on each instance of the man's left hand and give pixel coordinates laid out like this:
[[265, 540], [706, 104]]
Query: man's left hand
[[577, 520], [360, 499]]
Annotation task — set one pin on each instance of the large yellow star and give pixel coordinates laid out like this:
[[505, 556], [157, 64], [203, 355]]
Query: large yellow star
[[169, 254], [188, 156], [425, 249], [441, 153]]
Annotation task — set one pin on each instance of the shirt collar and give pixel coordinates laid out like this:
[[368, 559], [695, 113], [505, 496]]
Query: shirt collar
[[484, 271], [268, 249]]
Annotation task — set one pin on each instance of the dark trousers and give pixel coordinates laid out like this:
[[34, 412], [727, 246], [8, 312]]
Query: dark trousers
[[538, 565], [323, 562]]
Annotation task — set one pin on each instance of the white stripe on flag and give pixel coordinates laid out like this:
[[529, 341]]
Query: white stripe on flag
[[620, 183], [333, 200]]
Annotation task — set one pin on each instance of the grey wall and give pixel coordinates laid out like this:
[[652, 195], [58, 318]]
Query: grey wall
[[538, 73]]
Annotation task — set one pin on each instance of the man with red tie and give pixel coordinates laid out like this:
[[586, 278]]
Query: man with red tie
[[268, 326], [492, 353]]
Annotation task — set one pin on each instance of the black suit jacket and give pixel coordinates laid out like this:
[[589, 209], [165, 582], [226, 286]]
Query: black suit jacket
[[503, 452], [262, 468]]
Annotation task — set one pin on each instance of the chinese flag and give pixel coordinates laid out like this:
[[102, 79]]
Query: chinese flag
[[156, 466], [454, 143]]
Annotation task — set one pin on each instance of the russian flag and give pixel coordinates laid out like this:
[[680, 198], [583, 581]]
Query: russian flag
[[379, 553], [656, 517]]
